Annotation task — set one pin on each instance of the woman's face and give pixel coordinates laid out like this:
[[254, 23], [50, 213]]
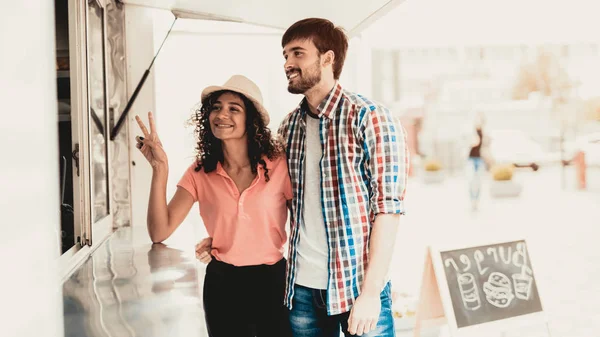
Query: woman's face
[[228, 117]]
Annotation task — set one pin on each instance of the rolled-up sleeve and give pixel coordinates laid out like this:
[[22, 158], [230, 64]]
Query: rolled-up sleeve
[[387, 155]]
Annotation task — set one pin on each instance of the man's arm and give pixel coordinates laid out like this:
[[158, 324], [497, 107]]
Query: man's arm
[[387, 151], [384, 143], [382, 242]]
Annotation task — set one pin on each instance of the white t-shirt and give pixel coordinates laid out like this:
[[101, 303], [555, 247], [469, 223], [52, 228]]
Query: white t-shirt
[[312, 262]]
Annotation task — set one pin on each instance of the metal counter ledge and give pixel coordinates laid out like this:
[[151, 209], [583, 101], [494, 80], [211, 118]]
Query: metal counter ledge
[[131, 287]]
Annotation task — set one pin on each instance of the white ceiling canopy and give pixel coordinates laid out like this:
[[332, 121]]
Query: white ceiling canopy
[[436, 23], [353, 15]]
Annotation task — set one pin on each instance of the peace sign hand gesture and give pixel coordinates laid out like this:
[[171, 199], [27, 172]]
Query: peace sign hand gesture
[[150, 144]]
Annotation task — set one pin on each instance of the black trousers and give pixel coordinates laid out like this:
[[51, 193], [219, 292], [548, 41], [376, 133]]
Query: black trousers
[[245, 301]]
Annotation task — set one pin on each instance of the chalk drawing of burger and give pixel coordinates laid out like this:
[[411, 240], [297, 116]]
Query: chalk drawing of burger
[[498, 290]]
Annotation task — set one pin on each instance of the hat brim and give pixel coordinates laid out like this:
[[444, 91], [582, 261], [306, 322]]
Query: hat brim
[[264, 114]]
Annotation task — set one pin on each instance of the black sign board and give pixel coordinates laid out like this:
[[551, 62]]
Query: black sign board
[[490, 283]]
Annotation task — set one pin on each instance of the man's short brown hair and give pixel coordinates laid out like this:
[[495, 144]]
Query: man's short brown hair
[[325, 35]]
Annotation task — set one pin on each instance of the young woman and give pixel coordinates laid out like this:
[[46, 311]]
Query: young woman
[[241, 183]]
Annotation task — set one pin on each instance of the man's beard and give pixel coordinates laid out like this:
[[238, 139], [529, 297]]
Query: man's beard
[[305, 82]]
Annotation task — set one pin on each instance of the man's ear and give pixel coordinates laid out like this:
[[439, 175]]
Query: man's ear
[[328, 58]]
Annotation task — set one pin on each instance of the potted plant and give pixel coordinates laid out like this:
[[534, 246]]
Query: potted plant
[[503, 184], [404, 311], [432, 171]]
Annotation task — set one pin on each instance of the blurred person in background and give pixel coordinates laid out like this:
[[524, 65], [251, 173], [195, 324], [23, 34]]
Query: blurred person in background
[[476, 165]]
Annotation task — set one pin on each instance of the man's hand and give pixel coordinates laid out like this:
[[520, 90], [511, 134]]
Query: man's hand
[[367, 308], [203, 249], [364, 314]]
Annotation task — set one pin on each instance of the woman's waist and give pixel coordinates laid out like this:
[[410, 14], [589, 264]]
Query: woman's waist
[[229, 264]]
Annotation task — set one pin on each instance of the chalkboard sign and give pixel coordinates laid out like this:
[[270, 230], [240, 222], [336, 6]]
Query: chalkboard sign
[[490, 283]]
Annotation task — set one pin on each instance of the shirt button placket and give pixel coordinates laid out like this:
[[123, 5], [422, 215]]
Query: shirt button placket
[[241, 205]]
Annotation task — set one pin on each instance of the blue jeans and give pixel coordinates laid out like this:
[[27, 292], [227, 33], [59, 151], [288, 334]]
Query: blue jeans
[[475, 181], [309, 315]]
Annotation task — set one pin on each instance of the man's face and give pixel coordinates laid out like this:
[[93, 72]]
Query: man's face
[[302, 65]]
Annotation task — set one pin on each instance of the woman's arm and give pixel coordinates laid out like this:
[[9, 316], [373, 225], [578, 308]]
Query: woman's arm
[[163, 219]]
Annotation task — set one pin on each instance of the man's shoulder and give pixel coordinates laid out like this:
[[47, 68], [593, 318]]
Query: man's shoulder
[[361, 101], [288, 118], [360, 106]]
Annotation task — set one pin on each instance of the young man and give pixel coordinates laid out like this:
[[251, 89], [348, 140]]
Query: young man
[[348, 163]]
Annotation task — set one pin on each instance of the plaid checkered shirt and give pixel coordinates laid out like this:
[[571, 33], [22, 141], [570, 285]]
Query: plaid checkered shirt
[[363, 173]]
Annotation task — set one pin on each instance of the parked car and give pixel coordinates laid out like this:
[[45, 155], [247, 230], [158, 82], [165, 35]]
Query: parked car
[[516, 148]]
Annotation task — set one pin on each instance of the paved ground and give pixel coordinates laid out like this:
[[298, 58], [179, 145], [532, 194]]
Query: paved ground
[[561, 226]]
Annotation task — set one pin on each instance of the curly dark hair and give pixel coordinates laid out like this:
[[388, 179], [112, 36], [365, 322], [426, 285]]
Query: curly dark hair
[[208, 148]]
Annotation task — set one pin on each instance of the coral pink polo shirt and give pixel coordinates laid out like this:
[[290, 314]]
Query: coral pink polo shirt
[[247, 228]]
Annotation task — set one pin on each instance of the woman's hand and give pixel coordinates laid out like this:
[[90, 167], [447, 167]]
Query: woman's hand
[[203, 249], [150, 144]]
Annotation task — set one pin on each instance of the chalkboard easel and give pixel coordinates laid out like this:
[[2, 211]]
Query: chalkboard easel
[[479, 288]]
